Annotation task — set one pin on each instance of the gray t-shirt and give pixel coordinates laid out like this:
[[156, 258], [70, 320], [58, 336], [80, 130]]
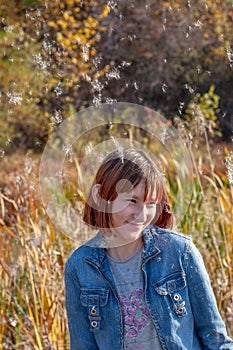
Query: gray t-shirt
[[139, 330]]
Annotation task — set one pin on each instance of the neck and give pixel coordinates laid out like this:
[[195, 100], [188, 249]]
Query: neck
[[126, 251]]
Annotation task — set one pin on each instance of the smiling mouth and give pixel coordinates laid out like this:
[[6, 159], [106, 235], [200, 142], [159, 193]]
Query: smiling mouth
[[135, 223]]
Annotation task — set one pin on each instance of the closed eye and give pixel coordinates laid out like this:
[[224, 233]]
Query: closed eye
[[132, 200], [151, 203]]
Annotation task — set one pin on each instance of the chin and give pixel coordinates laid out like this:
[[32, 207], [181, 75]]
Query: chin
[[129, 231], [135, 228], [131, 235]]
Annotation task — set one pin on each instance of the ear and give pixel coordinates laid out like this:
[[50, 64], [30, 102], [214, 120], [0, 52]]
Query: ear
[[95, 193]]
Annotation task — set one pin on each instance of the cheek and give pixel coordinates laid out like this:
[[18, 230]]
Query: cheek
[[121, 215], [118, 206], [152, 213]]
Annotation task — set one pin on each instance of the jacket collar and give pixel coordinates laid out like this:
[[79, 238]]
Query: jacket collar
[[150, 235], [98, 255]]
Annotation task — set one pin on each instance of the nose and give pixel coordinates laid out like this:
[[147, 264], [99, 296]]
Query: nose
[[140, 213]]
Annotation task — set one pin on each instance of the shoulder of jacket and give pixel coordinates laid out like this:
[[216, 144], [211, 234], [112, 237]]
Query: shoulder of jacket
[[172, 237], [169, 232], [79, 254]]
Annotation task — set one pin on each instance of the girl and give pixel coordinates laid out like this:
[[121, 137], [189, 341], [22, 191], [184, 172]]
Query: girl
[[137, 284]]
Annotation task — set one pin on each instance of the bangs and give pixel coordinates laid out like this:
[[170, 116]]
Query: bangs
[[122, 177]]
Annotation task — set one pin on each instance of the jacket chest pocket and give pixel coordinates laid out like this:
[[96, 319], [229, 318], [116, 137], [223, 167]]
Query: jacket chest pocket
[[173, 290], [93, 300]]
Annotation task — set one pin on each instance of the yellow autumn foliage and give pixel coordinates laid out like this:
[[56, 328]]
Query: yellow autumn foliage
[[77, 30]]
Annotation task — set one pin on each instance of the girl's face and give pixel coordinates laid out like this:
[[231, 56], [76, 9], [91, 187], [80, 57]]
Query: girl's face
[[131, 213]]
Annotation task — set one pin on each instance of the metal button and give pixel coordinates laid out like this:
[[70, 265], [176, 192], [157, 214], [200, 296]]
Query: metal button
[[93, 310], [177, 297], [181, 310], [94, 324]]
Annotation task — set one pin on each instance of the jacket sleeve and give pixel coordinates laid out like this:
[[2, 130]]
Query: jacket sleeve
[[208, 322], [81, 338]]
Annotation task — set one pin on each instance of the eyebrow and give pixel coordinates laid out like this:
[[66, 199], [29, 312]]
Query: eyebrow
[[131, 195], [147, 199]]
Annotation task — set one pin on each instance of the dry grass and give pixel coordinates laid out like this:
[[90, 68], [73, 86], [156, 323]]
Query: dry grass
[[33, 253], [32, 257], [210, 216]]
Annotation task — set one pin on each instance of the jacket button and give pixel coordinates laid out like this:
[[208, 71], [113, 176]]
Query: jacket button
[[181, 310], [94, 324], [177, 297], [93, 311]]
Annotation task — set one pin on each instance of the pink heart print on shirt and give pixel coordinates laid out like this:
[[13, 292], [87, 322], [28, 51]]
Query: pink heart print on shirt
[[135, 313]]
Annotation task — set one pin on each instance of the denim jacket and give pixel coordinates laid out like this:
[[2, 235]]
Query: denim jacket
[[177, 292]]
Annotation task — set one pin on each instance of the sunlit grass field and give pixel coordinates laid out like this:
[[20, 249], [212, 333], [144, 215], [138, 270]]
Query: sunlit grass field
[[33, 251]]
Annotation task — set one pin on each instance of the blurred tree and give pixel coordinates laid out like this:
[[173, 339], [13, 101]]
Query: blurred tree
[[201, 115], [46, 49], [22, 121], [172, 50], [74, 27], [63, 55]]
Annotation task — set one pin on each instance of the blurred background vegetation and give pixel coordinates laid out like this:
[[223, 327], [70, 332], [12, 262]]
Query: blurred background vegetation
[[58, 57]]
